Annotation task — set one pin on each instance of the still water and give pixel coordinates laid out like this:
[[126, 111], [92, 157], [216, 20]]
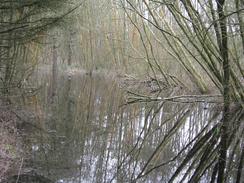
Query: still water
[[87, 134]]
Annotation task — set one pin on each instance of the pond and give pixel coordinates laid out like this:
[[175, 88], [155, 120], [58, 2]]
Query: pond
[[86, 133]]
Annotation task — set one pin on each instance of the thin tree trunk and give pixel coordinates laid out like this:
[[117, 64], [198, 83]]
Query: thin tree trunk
[[240, 167], [239, 5], [9, 57], [226, 94], [54, 70], [70, 47]]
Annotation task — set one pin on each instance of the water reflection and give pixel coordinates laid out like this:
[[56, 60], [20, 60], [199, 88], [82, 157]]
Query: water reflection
[[90, 136]]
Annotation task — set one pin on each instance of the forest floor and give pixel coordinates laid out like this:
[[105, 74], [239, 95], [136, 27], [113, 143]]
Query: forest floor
[[8, 140]]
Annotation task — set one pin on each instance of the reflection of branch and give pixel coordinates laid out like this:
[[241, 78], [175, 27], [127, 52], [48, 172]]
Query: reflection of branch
[[165, 140], [179, 153], [181, 98], [146, 130]]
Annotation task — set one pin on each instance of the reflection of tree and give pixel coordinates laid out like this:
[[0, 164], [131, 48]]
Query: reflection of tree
[[135, 142]]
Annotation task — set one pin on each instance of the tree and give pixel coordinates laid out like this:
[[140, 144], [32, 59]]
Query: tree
[[203, 38], [23, 23]]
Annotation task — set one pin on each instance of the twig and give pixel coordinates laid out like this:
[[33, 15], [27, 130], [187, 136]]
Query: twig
[[21, 164]]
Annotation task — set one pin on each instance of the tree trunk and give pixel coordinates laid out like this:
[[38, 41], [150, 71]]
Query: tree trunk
[[226, 94], [54, 71]]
